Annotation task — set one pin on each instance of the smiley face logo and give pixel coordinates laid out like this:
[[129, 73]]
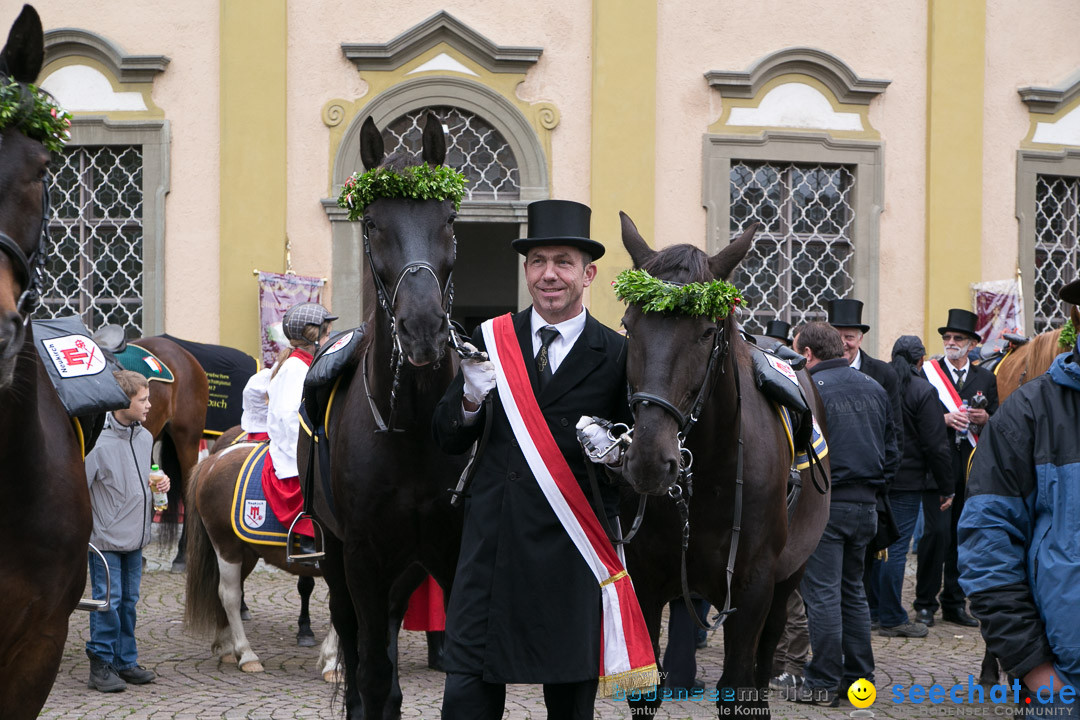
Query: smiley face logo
[[862, 693]]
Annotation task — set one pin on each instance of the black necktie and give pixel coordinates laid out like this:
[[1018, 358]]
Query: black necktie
[[543, 365], [960, 378]]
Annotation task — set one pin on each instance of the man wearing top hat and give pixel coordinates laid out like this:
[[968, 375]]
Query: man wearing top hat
[[779, 330], [846, 317], [957, 383], [1019, 559], [525, 608]]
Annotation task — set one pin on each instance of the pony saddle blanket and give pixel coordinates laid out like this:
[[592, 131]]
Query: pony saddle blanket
[[144, 362], [252, 519], [79, 369]]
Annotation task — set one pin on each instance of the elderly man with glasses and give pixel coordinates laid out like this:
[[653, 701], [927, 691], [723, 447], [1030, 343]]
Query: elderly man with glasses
[[962, 388]]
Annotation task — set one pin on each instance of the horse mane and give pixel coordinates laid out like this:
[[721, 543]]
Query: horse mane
[[682, 263]]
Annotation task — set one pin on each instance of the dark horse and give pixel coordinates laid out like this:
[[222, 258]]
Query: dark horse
[[668, 363], [391, 506], [44, 504], [177, 419]]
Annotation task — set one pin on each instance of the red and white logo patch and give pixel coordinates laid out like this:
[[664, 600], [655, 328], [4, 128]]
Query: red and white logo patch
[[254, 513], [783, 368], [75, 355], [153, 363], [342, 342]]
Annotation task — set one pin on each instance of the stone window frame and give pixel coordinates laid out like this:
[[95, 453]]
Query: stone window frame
[[153, 134], [347, 237], [866, 157], [1029, 165]]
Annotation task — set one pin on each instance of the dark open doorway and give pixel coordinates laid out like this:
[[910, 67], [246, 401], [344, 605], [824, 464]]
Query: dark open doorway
[[485, 272]]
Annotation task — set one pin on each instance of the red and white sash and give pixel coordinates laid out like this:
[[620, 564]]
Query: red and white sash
[[939, 378], [626, 655]]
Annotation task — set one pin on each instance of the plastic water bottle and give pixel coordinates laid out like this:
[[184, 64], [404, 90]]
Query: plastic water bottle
[[161, 500], [961, 435]]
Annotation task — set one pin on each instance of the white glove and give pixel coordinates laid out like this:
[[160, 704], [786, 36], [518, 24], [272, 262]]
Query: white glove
[[479, 376], [600, 445]]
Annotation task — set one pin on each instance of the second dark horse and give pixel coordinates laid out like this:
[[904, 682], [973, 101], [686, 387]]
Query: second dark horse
[[391, 506]]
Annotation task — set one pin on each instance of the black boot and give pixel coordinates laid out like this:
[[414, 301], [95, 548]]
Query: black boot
[[103, 676]]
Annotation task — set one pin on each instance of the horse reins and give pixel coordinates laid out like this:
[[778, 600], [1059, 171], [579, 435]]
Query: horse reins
[[30, 269], [683, 488], [386, 302]]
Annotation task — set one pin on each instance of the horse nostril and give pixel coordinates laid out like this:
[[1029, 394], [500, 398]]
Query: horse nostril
[[672, 468]]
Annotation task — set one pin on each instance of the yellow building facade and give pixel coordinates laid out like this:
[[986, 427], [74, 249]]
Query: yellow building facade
[[895, 153]]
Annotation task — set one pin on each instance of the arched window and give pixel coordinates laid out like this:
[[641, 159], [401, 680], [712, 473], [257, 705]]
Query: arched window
[[475, 148]]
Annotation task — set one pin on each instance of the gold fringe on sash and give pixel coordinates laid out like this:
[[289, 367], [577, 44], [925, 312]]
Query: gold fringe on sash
[[643, 677]]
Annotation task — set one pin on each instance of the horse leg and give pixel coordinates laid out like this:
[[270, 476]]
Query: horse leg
[[245, 612], [305, 584], [371, 602], [343, 618], [775, 623], [753, 600], [230, 587], [328, 663]]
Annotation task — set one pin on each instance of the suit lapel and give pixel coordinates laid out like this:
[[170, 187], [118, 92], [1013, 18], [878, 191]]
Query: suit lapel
[[586, 355]]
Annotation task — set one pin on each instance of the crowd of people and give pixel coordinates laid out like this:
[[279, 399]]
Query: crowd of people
[[901, 436]]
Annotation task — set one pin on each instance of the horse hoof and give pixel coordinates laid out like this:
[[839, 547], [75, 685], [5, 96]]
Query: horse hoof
[[245, 614], [179, 567], [333, 676], [305, 639], [252, 667], [228, 659]]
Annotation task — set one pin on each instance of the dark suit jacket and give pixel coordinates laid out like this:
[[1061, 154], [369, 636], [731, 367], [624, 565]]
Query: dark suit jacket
[[978, 379], [525, 608], [886, 378]]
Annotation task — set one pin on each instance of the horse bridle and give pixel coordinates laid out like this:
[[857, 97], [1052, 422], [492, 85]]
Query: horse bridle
[[30, 269], [386, 302], [682, 489]]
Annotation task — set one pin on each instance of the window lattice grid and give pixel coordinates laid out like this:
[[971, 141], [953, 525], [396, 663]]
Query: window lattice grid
[[474, 147], [803, 250], [1057, 217], [95, 265]]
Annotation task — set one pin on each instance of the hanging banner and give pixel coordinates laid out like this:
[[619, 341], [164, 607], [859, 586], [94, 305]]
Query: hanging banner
[[999, 307], [277, 293]]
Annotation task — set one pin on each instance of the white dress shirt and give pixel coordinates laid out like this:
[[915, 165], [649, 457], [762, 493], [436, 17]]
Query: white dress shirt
[[569, 331], [285, 393]]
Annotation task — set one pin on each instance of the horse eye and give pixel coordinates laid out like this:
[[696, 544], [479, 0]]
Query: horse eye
[[708, 334], [450, 220], [369, 224]]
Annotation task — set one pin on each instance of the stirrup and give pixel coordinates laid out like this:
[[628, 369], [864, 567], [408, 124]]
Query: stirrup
[[307, 558], [90, 604]]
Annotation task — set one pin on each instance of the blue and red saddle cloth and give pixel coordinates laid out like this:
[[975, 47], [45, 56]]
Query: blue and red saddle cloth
[[252, 518]]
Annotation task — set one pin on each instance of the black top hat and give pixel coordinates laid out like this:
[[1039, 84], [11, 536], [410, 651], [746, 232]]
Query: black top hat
[[961, 321], [1071, 292], [778, 329], [847, 314], [559, 222]]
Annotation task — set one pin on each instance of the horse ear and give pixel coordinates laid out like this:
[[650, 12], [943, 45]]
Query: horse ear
[[25, 49], [434, 144], [722, 263], [371, 145], [635, 245]]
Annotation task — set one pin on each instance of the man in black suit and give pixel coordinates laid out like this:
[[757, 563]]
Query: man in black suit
[[956, 380], [525, 607]]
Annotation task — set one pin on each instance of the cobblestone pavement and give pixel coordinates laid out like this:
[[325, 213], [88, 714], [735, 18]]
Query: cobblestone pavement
[[192, 684]]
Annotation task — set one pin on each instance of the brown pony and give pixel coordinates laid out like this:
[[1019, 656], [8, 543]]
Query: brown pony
[[1031, 359], [177, 420], [219, 560], [674, 362], [44, 504]]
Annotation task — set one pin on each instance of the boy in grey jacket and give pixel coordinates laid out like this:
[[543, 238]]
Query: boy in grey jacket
[[117, 473]]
